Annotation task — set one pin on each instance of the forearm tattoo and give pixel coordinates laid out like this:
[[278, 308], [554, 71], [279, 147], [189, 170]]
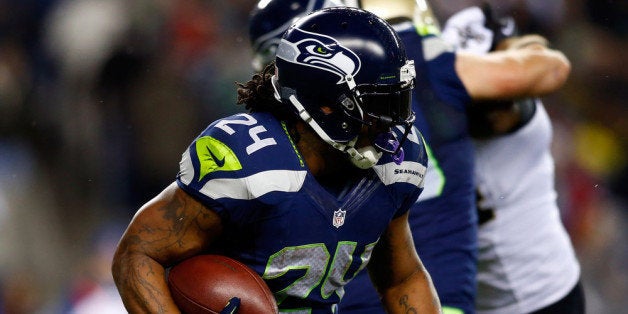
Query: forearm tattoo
[[175, 230], [407, 308], [179, 219]]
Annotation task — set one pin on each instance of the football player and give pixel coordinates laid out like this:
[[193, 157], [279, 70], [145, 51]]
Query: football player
[[526, 261], [444, 221], [309, 186]]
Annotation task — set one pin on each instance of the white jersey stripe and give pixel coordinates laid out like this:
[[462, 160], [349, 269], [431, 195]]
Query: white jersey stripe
[[186, 174], [256, 185]]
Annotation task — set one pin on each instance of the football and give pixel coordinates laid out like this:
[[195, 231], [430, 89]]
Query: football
[[206, 283]]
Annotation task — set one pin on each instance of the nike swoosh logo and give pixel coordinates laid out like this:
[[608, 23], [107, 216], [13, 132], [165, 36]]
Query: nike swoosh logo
[[219, 162]]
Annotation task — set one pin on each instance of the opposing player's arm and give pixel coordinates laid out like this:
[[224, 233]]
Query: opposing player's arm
[[397, 272], [525, 68], [167, 229]]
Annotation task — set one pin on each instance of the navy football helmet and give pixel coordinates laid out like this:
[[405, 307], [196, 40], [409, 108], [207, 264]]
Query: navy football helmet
[[271, 18], [342, 68]]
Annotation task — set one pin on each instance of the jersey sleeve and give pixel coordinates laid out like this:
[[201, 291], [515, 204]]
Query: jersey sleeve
[[209, 158], [435, 63], [440, 63], [466, 30], [230, 167], [407, 179]]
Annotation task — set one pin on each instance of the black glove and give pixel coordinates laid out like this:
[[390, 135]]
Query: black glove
[[502, 28], [232, 306], [483, 116]]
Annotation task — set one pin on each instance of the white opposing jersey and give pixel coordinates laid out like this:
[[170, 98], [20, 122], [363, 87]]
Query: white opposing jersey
[[526, 259]]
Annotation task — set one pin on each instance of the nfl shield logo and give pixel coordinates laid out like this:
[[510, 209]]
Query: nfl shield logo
[[339, 217]]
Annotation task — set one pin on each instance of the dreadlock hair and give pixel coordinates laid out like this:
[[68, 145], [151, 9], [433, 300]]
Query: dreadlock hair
[[257, 95]]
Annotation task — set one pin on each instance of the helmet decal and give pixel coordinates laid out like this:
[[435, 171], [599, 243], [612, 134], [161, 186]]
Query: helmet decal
[[319, 51]]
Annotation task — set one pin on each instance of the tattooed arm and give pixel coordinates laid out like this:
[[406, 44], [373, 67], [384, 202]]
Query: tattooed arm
[[167, 229], [397, 272]]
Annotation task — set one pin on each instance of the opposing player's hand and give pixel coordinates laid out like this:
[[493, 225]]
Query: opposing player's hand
[[232, 306]]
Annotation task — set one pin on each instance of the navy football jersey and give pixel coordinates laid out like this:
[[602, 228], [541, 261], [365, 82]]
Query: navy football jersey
[[444, 220], [305, 241]]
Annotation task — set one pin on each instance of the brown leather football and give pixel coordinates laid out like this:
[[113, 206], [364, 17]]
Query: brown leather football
[[206, 283]]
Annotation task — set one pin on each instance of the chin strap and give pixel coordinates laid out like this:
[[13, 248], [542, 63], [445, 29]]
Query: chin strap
[[365, 157]]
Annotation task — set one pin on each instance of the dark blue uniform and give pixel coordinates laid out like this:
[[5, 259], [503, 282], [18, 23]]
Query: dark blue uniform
[[444, 221], [305, 239]]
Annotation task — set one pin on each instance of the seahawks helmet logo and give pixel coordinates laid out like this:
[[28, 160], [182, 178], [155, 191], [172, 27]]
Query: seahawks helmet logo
[[319, 51]]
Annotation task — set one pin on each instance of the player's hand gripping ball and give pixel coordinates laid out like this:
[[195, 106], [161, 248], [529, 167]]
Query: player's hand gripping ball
[[213, 283]]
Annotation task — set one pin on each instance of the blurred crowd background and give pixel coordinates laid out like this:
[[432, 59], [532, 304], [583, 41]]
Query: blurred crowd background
[[99, 98]]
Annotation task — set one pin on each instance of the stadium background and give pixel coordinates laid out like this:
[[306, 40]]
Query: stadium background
[[98, 98]]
